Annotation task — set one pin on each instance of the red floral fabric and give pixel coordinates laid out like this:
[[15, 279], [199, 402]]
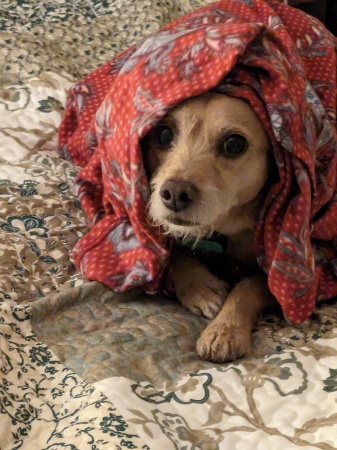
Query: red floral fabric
[[279, 59]]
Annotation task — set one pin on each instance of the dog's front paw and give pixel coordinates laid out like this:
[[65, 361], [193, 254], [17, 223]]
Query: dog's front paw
[[220, 344], [203, 295]]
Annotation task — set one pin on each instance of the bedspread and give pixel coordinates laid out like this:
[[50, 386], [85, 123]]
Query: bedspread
[[81, 367]]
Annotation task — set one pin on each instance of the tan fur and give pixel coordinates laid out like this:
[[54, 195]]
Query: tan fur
[[227, 201]]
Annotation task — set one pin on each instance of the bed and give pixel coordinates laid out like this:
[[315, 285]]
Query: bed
[[82, 367]]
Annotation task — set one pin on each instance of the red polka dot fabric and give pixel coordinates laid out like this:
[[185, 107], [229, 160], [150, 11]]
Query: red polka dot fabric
[[280, 60]]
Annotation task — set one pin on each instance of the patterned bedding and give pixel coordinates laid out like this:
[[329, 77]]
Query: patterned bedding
[[82, 368]]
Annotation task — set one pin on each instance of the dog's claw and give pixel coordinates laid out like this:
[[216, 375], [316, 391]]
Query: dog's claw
[[197, 289], [205, 301], [222, 344]]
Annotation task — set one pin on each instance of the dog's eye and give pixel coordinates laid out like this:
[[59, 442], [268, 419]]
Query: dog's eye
[[233, 146], [163, 135]]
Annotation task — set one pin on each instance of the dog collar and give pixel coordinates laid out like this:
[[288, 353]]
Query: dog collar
[[215, 244]]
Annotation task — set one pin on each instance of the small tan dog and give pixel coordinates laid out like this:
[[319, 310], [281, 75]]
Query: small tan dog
[[208, 162]]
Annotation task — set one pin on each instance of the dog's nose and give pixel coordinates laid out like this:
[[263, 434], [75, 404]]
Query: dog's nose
[[177, 195]]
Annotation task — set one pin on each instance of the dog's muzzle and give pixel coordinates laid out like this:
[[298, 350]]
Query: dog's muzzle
[[177, 195]]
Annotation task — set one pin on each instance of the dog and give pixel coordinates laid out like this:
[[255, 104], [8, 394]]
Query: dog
[[208, 163]]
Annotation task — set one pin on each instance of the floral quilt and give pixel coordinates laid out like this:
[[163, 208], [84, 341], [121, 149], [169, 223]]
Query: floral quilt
[[80, 367]]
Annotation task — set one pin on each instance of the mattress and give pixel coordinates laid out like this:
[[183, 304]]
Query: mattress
[[82, 367]]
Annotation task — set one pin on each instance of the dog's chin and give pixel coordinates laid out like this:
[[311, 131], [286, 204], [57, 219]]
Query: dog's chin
[[182, 222], [181, 228]]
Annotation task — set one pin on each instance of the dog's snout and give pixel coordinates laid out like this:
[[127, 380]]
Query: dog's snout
[[177, 195]]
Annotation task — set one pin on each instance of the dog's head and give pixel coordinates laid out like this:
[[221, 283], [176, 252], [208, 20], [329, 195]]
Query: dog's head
[[207, 161]]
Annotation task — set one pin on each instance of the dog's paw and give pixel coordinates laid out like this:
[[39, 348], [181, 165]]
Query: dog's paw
[[220, 344], [203, 295]]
